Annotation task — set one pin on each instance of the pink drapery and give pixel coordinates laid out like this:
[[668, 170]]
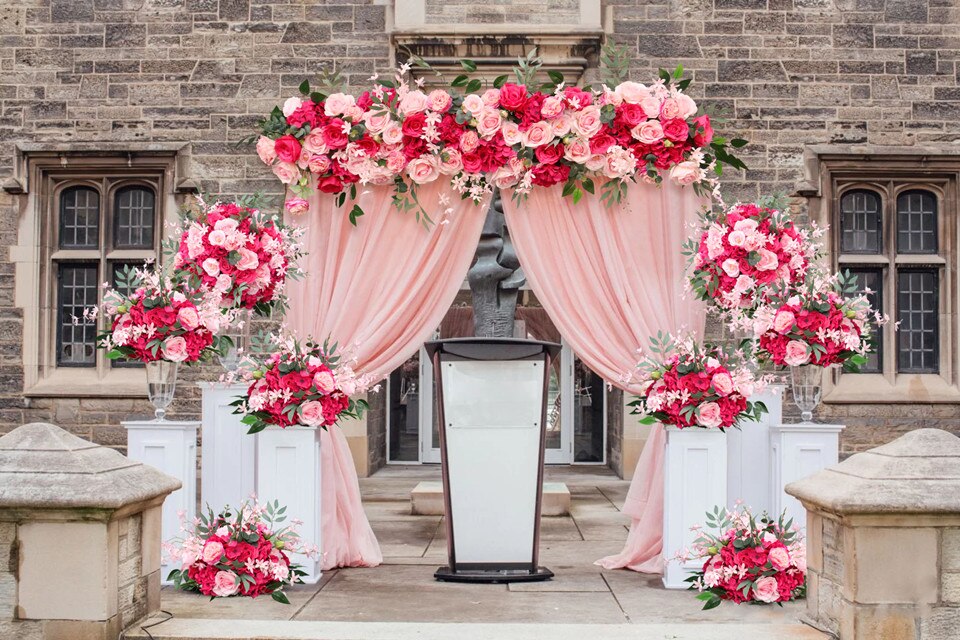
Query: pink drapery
[[379, 290], [610, 279]]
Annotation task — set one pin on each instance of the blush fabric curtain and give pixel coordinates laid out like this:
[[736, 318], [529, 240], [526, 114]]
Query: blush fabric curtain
[[378, 289], [610, 279]]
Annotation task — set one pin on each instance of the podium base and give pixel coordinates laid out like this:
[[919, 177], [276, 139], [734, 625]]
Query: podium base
[[492, 575]]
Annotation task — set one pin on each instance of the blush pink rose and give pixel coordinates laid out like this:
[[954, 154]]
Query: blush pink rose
[[248, 260], [744, 283], [736, 238], [314, 143], [632, 92], [211, 266], [324, 382], [469, 141], [414, 102], [551, 107], [266, 150], [596, 162], [226, 225], [765, 590], [779, 558], [795, 353], [491, 97], [337, 104], [212, 552], [505, 177], [217, 237], [473, 104], [392, 133], [174, 349], [376, 121], [225, 584], [450, 162], [648, 132], [488, 122], [311, 413], [287, 172], [319, 164], [686, 172], [686, 104], [710, 415], [423, 169], [510, 132], [651, 106], [730, 267], [539, 133], [297, 206], [561, 126], [578, 150], [439, 100], [291, 105], [723, 383], [670, 109], [189, 318], [783, 321], [587, 121], [768, 260]]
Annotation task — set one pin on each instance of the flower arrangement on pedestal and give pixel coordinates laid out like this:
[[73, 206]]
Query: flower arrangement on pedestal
[[750, 559], [688, 385], [299, 384], [240, 552]]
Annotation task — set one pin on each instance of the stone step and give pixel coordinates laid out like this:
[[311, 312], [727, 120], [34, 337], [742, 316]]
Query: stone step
[[426, 499], [207, 629]]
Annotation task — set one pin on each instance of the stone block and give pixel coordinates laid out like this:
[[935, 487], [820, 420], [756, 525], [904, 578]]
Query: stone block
[[950, 588], [744, 70], [921, 62], [940, 623], [71, 11], [886, 574], [874, 623], [814, 541], [905, 11], [234, 10], [126, 35], [306, 32], [150, 537], [8, 595], [950, 550]]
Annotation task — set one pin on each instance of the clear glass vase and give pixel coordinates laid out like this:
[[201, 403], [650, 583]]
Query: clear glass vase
[[806, 381], [161, 385], [239, 335]]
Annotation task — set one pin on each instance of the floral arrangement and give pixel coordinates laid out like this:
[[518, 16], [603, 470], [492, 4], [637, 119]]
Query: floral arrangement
[[824, 323], [238, 252], [746, 252], [239, 552], [153, 316], [510, 135], [757, 560], [298, 384], [686, 385]]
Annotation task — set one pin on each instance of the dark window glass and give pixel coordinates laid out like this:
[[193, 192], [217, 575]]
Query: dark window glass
[[133, 218], [860, 228], [918, 336], [79, 218], [77, 291], [916, 222], [872, 279]]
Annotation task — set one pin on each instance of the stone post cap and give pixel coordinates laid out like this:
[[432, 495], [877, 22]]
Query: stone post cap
[[44, 467], [919, 472]]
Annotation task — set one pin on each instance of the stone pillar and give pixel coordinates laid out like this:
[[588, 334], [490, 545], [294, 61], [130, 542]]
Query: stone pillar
[[80, 524], [883, 541]]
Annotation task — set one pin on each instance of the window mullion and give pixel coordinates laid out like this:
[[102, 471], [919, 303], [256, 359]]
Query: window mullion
[[890, 353]]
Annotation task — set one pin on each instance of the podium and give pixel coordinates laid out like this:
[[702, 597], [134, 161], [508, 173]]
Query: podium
[[491, 397]]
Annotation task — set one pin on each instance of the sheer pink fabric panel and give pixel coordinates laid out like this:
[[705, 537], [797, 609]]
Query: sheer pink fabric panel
[[379, 289], [610, 279]]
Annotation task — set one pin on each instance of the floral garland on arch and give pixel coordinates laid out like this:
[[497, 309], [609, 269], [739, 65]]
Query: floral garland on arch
[[513, 134]]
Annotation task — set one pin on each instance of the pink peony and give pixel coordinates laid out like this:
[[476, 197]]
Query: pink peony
[[551, 107], [779, 558], [189, 318], [225, 584], [324, 382], [174, 349], [783, 321], [710, 415], [469, 141], [765, 590], [723, 383], [795, 353], [439, 100], [212, 552]]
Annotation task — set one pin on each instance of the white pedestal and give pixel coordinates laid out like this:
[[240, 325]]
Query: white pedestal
[[748, 454], [797, 451], [288, 470], [228, 453], [171, 447], [695, 481]]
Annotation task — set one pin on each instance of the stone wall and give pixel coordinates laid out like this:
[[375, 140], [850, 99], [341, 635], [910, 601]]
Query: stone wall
[[790, 73]]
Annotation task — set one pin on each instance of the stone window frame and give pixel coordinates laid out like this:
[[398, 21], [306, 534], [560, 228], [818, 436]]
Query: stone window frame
[[41, 173], [833, 171]]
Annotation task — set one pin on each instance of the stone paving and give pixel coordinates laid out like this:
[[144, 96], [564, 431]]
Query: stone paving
[[403, 590]]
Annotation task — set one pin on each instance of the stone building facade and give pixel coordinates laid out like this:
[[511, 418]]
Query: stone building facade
[[127, 97]]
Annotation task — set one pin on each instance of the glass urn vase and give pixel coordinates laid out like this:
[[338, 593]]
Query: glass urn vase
[[806, 381], [239, 336], [161, 385]]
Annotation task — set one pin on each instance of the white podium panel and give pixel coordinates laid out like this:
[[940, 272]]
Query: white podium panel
[[228, 453], [798, 451], [171, 447], [748, 454], [288, 470], [492, 411], [694, 482]]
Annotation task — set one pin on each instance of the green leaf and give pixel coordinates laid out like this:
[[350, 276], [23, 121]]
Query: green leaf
[[473, 86], [469, 65], [279, 596], [555, 76], [460, 81], [736, 143], [499, 81], [305, 87], [587, 185], [355, 213]]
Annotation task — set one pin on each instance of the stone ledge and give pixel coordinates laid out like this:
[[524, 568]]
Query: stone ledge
[[426, 499]]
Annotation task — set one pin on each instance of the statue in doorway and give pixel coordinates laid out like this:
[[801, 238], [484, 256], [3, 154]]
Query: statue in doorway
[[495, 278]]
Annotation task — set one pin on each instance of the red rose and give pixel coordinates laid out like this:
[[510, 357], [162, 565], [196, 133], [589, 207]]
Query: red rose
[[676, 129], [513, 96], [365, 101], [472, 162], [704, 131], [413, 125], [601, 142], [631, 114], [330, 184], [333, 135], [549, 153], [368, 145], [287, 148], [577, 97]]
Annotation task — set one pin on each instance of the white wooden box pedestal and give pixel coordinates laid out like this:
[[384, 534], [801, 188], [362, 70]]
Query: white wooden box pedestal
[[288, 470], [171, 447], [228, 464], [797, 451], [748, 454], [695, 481]]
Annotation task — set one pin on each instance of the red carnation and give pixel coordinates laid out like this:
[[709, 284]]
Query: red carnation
[[287, 148]]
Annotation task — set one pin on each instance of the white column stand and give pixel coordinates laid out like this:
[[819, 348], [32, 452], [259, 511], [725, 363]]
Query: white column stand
[[748, 454], [171, 447], [288, 470], [798, 451], [694, 482], [228, 453]]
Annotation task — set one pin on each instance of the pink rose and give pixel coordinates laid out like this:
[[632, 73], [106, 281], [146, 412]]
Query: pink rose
[[439, 100], [730, 267], [768, 260], [651, 106], [765, 590], [488, 122], [226, 225], [287, 172], [248, 260], [469, 141], [539, 133], [314, 143], [491, 97], [311, 413], [800, 558], [783, 321], [687, 106], [211, 266], [217, 238], [686, 172], [473, 104], [670, 109], [392, 134], [710, 415], [189, 318], [319, 164], [596, 162], [736, 238], [511, 133], [297, 206], [561, 126], [551, 107], [795, 353], [225, 584], [337, 104], [587, 121], [396, 161], [414, 102], [212, 552], [648, 132], [324, 382], [174, 349], [632, 92], [291, 105], [779, 558], [266, 150], [505, 177], [744, 283], [423, 169], [578, 150], [376, 121], [723, 383], [746, 225], [450, 162]]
